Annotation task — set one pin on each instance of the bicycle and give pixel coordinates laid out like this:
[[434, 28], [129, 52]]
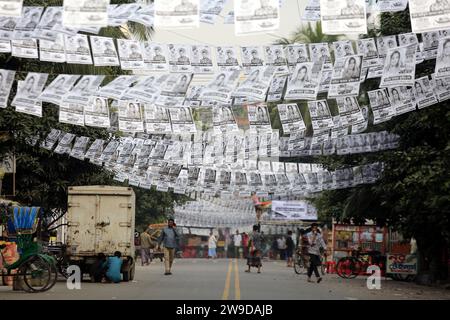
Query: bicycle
[[36, 271], [301, 262], [357, 263]]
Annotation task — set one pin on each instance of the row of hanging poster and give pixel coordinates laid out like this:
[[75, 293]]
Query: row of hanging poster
[[249, 16], [167, 162]]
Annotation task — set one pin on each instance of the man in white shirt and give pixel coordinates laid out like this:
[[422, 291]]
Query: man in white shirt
[[237, 239]]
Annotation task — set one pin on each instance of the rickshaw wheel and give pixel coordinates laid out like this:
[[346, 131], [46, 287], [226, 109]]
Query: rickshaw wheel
[[38, 274]]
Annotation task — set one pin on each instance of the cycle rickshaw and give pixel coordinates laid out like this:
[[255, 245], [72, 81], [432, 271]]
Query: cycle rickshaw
[[34, 270]]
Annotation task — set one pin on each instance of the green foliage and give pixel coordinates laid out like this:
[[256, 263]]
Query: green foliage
[[43, 177], [413, 195], [309, 34]]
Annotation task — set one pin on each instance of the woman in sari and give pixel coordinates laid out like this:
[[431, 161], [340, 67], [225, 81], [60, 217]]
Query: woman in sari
[[255, 249]]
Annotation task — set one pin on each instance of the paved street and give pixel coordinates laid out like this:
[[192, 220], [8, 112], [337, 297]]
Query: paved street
[[200, 279]]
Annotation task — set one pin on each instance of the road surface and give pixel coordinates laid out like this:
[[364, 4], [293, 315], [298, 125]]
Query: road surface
[[225, 279]]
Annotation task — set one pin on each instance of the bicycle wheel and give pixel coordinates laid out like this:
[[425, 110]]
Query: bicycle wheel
[[347, 268], [37, 274], [63, 264], [299, 264]]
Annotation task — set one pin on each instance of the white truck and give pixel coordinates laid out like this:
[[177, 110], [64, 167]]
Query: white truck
[[100, 219]]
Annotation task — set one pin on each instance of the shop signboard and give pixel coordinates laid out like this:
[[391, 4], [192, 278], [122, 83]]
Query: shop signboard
[[401, 263]]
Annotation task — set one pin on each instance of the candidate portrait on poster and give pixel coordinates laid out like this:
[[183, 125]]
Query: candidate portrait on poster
[[155, 56], [177, 14], [77, 49], [305, 81], [227, 58], [320, 115], [104, 51], [96, 113], [424, 93], [442, 69], [256, 16], [399, 67], [429, 15], [6, 83], [381, 105], [85, 13], [345, 80]]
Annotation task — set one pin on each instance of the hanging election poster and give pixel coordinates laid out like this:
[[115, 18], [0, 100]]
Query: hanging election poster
[[443, 59], [276, 88], [201, 59], [77, 49], [256, 16], [79, 148], [28, 91], [258, 117], [83, 90], [424, 93], [429, 15], [97, 113], [179, 14], [441, 88], [156, 56], [130, 53], [345, 80], [381, 106], [85, 13], [349, 111], [156, 119], [305, 81], [52, 51], [226, 58], [71, 113], [274, 56], [430, 42], [11, 8], [290, 117], [6, 82], [402, 99], [343, 49], [58, 88], [320, 115], [182, 120], [26, 48], [179, 58], [343, 17], [104, 52], [399, 67], [296, 53]]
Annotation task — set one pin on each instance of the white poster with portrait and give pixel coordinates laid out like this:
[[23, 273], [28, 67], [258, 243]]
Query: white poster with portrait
[[79, 148], [345, 80], [57, 89], [27, 23], [157, 119], [71, 113], [441, 88], [296, 53], [424, 93], [256, 16], [96, 113], [85, 13], [258, 117], [130, 116], [290, 117], [173, 90], [210, 10], [274, 55], [276, 88], [320, 115], [177, 14], [7, 26], [83, 90], [28, 91], [130, 53], [117, 87], [226, 57], [26, 48], [6, 82], [429, 15], [320, 52], [221, 87], [410, 38], [179, 58], [77, 49], [442, 69], [182, 120], [399, 67], [343, 48], [256, 85], [104, 51], [391, 5], [349, 111], [156, 57], [380, 105], [430, 42], [52, 51], [402, 99], [304, 82], [11, 8], [252, 58], [201, 59], [343, 16]]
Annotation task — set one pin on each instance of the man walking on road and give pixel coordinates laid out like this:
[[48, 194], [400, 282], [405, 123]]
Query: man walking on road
[[169, 237], [237, 239], [146, 244], [315, 244], [212, 245]]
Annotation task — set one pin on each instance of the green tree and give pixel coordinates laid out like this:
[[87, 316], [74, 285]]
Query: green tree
[[413, 195], [43, 177], [309, 34]]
